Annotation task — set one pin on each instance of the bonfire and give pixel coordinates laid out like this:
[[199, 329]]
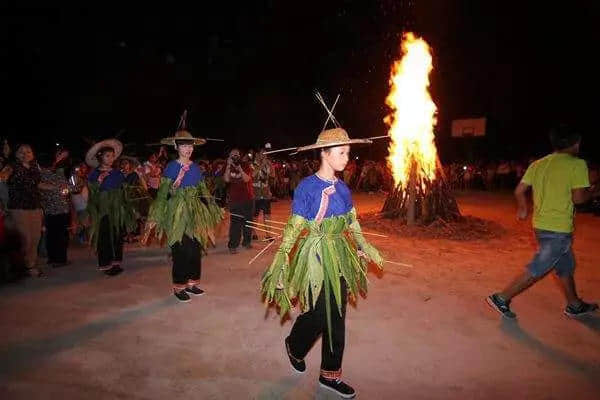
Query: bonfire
[[421, 195]]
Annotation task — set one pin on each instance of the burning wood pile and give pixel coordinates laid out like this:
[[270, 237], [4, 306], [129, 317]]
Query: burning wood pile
[[421, 195]]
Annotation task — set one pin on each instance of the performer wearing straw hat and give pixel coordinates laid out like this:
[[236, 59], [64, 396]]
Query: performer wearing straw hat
[[322, 258], [185, 214], [110, 210]]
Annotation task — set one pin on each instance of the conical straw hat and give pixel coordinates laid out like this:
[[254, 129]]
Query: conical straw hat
[[90, 157], [183, 135], [331, 138]]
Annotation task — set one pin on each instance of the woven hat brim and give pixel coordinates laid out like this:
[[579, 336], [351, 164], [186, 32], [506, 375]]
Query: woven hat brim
[[90, 157], [171, 140], [333, 144]]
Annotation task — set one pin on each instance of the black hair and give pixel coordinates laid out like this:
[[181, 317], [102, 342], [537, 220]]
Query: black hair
[[179, 142], [103, 150], [13, 155], [563, 137]]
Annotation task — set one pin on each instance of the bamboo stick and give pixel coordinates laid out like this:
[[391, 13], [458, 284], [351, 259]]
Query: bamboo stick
[[275, 222], [397, 263], [268, 226], [280, 150], [261, 252], [262, 230], [351, 230], [379, 137]]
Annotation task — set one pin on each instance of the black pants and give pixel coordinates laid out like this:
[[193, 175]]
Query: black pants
[[110, 247], [311, 324], [263, 205], [57, 237], [187, 262], [237, 225]]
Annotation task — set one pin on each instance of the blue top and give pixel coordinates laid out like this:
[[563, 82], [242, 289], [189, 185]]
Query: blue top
[[112, 181], [317, 197], [191, 178]]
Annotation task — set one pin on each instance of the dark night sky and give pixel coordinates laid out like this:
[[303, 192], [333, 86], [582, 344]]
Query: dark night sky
[[247, 73]]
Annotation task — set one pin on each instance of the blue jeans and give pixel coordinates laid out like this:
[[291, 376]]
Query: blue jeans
[[554, 253]]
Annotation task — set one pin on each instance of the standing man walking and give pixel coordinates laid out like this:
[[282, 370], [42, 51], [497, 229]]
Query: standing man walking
[[558, 181]]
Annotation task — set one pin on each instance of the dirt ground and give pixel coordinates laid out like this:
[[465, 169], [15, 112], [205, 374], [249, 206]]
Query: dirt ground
[[423, 332]]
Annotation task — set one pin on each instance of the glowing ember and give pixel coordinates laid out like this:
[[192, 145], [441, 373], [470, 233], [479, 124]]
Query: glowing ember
[[412, 118]]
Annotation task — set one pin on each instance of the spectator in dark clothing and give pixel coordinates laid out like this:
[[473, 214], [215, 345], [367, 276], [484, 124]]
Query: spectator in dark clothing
[[24, 204], [238, 177], [57, 210]]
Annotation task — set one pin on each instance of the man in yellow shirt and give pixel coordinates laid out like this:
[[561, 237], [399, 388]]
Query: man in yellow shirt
[[558, 181]]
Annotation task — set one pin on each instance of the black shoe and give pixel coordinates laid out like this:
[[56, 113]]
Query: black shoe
[[182, 296], [248, 246], [195, 290], [114, 270], [233, 250], [583, 309], [337, 386], [298, 366], [255, 237], [503, 307]]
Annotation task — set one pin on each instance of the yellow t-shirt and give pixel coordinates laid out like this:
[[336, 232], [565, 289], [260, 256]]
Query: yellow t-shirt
[[552, 179]]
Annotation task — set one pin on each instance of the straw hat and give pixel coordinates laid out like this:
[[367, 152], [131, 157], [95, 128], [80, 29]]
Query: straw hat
[[90, 157], [183, 135], [333, 137]]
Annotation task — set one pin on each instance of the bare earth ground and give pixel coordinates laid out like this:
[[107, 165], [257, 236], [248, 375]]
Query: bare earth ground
[[422, 333]]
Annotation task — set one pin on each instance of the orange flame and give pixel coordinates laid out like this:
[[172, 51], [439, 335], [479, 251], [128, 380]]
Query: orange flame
[[413, 113]]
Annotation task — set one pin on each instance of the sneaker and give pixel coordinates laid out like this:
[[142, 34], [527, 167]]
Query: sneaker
[[248, 246], [503, 307], [194, 290], [114, 270], [583, 309], [298, 366], [182, 296], [233, 250], [255, 237], [338, 386], [104, 267]]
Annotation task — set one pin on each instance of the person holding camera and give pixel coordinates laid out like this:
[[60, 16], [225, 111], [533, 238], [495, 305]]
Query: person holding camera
[[240, 193]]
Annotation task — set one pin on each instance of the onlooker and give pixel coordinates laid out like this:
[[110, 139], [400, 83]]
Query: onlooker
[[79, 200], [262, 191], [128, 167], [239, 179], [57, 209], [24, 205], [152, 172]]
